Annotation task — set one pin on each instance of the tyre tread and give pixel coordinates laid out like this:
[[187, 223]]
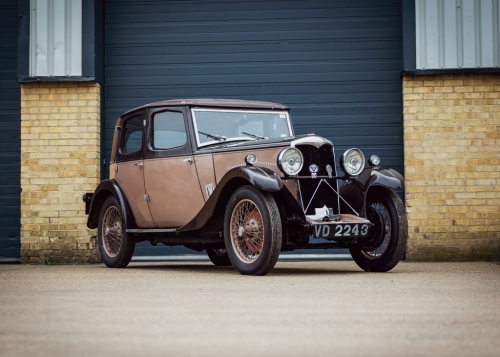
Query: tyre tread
[[381, 264], [267, 260], [276, 247], [129, 243]]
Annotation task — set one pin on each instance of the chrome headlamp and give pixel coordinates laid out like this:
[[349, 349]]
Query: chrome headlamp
[[352, 162], [374, 160], [290, 161], [250, 159]]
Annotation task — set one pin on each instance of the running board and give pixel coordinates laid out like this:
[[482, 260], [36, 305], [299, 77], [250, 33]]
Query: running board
[[154, 230]]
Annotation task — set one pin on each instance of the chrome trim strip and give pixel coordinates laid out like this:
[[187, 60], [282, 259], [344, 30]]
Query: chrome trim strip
[[313, 140]]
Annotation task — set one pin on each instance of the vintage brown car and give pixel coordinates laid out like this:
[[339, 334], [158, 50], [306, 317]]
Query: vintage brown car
[[230, 177]]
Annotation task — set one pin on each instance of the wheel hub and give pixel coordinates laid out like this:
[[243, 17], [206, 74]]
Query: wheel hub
[[247, 235], [377, 213], [112, 231]]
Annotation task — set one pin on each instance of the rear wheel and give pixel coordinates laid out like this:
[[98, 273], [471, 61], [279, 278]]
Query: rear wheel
[[115, 246], [390, 226], [252, 231], [219, 257]]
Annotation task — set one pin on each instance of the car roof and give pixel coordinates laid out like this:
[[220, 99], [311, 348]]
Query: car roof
[[216, 103]]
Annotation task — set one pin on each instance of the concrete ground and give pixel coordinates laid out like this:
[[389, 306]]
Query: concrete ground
[[304, 308]]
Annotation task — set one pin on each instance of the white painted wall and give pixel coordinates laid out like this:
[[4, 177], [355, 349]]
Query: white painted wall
[[56, 38], [457, 34]]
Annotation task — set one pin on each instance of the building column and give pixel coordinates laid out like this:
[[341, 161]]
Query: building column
[[60, 161], [452, 165]]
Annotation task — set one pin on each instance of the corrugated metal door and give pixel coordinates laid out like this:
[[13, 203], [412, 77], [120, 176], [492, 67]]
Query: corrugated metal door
[[335, 63], [10, 142]]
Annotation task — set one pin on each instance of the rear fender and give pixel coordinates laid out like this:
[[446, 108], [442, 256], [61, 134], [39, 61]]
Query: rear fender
[[105, 189], [354, 191]]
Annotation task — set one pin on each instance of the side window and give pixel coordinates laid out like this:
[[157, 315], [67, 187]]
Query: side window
[[133, 135], [168, 130]]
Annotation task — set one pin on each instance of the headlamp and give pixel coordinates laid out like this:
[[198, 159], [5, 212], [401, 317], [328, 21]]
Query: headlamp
[[352, 162], [290, 161]]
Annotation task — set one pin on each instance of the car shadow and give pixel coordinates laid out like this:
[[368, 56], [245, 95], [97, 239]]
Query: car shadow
[[211, 269]]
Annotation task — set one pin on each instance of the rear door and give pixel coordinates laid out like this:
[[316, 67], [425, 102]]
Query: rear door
[[171, 178], [130, 167]]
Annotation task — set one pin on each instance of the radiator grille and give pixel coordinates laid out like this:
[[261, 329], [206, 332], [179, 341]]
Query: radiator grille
[[324, 196]]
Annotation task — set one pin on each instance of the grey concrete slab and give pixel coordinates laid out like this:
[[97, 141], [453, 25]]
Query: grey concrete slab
[[303, 308]]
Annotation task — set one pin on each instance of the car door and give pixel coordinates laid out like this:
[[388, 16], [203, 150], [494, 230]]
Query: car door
[[129, 167], [171, 179]]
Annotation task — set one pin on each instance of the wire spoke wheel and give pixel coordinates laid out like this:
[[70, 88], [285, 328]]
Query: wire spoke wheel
[[386, 247], [252, 231], [115, 246], [112, 235], [380, 217], [247, 231]]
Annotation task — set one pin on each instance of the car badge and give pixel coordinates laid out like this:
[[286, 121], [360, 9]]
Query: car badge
[[210, 189], [329, 170], [313, 169]]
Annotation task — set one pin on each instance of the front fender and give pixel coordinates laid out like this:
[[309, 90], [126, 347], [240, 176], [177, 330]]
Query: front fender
[[355, 190], [260, 177], [105, 189]]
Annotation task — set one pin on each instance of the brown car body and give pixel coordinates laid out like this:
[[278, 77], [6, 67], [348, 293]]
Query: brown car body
[[179, 195]]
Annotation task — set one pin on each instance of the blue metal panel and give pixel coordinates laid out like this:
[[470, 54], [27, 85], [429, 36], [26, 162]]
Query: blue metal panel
[[10, 142], [335, 63]]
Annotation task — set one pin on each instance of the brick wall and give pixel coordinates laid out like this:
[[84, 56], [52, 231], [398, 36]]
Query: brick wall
[[60, 151], [452, 165]]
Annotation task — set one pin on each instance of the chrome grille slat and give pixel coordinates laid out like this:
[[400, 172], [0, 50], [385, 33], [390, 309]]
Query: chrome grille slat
[[321, 156]]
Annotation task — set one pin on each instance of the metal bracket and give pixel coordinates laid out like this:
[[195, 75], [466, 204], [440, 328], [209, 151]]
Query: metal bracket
[[320, 182]]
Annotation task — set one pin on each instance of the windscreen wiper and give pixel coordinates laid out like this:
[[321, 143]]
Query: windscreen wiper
[[254, 136], [213, 136]]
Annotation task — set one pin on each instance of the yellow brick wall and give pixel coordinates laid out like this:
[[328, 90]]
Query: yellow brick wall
[[60, 154], [452, 165]]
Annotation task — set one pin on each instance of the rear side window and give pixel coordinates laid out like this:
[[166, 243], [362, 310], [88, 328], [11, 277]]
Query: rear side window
[[169, 130], [133, 135]]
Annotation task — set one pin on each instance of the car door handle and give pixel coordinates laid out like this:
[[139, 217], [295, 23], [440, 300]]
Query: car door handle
[[139, 164], [190, 160]]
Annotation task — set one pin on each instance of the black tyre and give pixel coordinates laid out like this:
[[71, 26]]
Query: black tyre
[[219, 257], [252, 231], [387, 212], [114, 244]]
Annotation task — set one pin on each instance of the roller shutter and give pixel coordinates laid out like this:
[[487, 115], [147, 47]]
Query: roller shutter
[[10, 142], [335, 63]]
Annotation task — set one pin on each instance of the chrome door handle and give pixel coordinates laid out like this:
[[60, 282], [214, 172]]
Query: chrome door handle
[[139, 164], [190, 160]]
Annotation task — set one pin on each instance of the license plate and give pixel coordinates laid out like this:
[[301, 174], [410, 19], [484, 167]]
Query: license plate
[[340, 230]]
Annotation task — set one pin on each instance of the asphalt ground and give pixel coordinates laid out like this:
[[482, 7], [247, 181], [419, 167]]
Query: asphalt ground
[[303, 308]]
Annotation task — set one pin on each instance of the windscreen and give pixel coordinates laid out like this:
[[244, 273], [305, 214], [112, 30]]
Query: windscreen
[[217, 126]]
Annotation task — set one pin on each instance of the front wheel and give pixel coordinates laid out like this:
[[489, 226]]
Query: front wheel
[[252, 231], [390, 227], [115, 246]]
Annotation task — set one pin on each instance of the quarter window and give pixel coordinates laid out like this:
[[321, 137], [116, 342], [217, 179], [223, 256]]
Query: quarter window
[[133, 135], [169, 130]]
